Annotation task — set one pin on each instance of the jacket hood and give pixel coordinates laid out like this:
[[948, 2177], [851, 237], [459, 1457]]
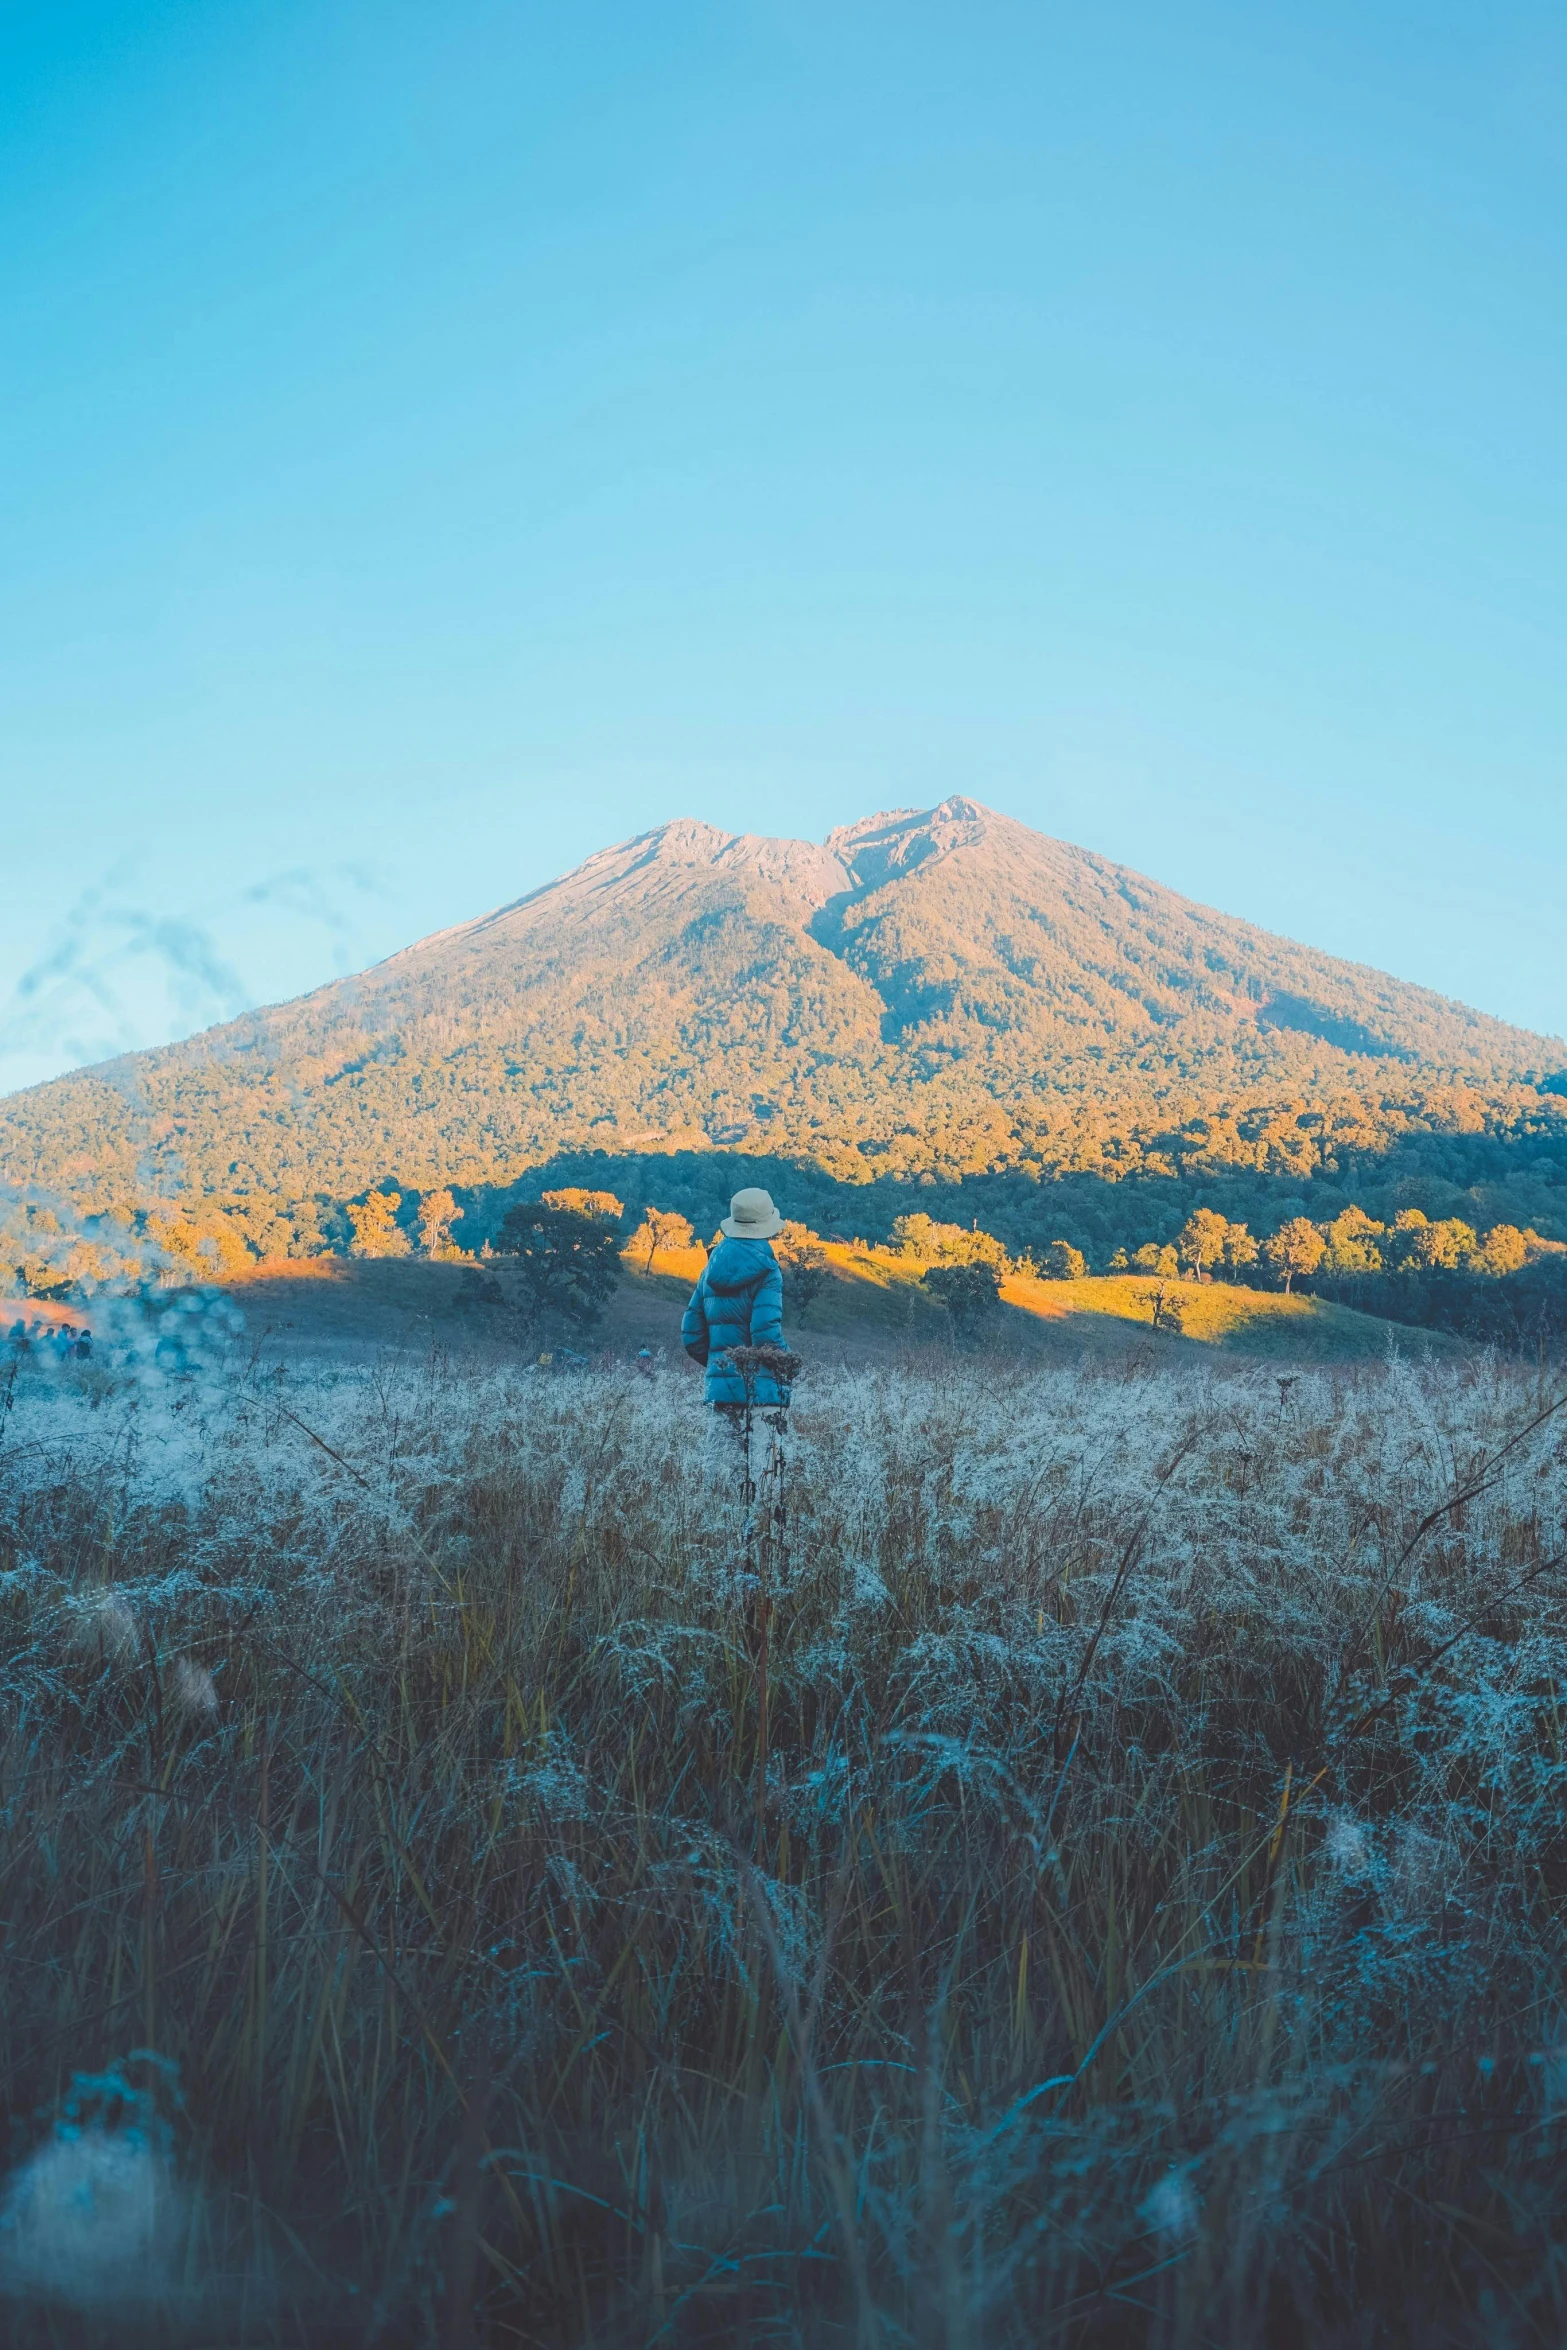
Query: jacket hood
[[735, 1264]]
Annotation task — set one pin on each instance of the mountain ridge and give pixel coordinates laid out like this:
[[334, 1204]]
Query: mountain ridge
[[938, 990], [898, 839]]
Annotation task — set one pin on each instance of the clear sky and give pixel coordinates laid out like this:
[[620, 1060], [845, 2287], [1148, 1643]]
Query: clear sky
[[438, 439]]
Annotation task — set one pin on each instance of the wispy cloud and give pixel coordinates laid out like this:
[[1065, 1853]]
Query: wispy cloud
[[72, 999], [320, 899], [119, 974]]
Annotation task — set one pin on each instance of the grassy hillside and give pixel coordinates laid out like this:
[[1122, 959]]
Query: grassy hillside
[[878, 1288], [871, 1307], [1233, 1321]]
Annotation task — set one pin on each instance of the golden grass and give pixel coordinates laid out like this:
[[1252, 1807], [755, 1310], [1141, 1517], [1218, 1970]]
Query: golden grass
[[1213, 1314], [685, 1265], [319, 1268]]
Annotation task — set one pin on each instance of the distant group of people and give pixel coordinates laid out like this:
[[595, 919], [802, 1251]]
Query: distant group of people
[[65, 1341]]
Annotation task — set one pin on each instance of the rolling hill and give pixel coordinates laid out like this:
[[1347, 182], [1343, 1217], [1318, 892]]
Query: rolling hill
[[871, 1308], [940, 994]]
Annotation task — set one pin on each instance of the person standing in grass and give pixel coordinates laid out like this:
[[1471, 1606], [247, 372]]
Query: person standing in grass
[[737, 1302]]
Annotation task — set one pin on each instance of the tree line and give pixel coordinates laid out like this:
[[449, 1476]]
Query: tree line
[[1447, 1269]]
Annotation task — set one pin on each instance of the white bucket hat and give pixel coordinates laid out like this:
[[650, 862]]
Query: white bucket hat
[[752, 1216]]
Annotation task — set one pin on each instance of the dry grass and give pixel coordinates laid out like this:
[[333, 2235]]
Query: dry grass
[[1141, 1920]]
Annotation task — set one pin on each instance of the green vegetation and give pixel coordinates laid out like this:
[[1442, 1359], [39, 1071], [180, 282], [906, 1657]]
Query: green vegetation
[[1525, 1276], [1104, 1884]]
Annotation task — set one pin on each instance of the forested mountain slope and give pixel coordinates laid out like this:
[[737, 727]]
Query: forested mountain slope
[[940, 993]]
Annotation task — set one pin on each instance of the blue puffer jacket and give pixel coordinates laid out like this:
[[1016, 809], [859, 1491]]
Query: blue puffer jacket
[[737, 1302]]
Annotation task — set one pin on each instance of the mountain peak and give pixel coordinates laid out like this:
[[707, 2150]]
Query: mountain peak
[[925, 989], [878, 848]]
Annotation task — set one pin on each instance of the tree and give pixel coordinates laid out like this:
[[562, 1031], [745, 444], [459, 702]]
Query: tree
[[438, 1212], [201, 1242], [1156, 1257], [376, 1232], [1297, 1248], [42, 1276], [587, 1203], [1240, 1251], [928, 1242], [1200, 1243], [916, 1236], [806, 1271], [1444, 1247], [1063, 1262], [970, 1293], [1504, 1250], [1352, 1240], [1404, 1238], [1169, 1311], [567, 1264], [660, 1228]]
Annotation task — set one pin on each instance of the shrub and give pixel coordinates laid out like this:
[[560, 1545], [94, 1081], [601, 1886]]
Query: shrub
[[970, 1293]]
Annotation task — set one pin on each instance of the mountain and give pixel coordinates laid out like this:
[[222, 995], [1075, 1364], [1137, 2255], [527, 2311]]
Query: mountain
[[943, 992]]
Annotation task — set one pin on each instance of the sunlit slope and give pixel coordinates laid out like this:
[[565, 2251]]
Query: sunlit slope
[[1235, 1321], [872, 1304], [944, 991], [874, 1296]]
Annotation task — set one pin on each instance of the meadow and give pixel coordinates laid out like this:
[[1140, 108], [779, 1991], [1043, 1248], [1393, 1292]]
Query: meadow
[[1094, 1874]]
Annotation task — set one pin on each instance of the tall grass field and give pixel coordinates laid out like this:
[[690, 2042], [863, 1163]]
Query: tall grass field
[[1083, 1865]]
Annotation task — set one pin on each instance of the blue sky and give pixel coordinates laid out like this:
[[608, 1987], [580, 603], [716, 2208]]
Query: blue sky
[[438, 440]]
